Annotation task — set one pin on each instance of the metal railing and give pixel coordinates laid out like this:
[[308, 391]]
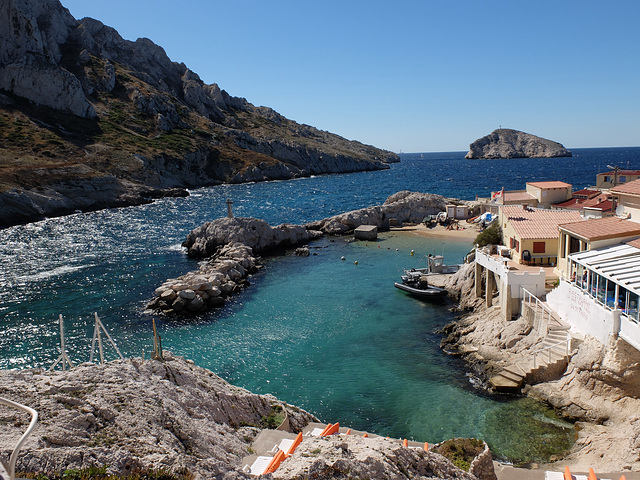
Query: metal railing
[[542, 314], [535, 353], [23, 438]]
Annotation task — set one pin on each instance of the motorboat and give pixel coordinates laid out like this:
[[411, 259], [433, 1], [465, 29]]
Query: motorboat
[[418, 285]]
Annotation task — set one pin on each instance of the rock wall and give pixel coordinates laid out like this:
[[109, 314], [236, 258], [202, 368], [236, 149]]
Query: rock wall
[[134, 414], [507, 143]]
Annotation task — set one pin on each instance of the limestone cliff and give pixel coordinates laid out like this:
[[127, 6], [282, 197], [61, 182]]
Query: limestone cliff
[[507, 143], [80, 107]]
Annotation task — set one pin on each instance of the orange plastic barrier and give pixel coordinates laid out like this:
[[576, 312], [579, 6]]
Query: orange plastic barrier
[[275, 462], [324, 432], [426, 446], [348, 432], [592, 474], [330, 430], [567, 474], [365, 435], [295, 444], [405, 443], [623, 477]]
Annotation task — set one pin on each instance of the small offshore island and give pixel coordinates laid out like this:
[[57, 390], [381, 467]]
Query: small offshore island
[[508, 143]]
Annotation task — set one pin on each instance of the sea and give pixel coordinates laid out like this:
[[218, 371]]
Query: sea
[[331, 336]]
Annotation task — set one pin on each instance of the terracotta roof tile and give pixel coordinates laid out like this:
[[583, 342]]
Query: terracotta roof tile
[[634, 243], [535, 223], [554, 184], [602, 228], [632, 188], [585, 192], [518, 197]]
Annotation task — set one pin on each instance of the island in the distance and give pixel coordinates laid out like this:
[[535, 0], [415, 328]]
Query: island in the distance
[[508, 143]]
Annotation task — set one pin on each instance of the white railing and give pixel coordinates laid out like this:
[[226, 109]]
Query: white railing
[[16, 450], [541, 313], [541, 351]]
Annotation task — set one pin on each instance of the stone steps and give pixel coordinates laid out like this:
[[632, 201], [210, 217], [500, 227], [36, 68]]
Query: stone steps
[[512, 377]]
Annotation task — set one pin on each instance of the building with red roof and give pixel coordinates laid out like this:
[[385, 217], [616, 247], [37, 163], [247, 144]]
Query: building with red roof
[[613, 178]]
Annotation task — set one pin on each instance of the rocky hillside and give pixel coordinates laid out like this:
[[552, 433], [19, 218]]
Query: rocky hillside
[[172, 419], [133, 415], [507, 143], [89, 120]]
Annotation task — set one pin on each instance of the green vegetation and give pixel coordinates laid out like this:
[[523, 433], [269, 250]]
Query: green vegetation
[[490, 235], [460, 451], [100, 473], [274, 419]]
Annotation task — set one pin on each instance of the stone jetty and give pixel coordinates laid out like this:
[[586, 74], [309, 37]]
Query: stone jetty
[[231, 244], [208, 287]]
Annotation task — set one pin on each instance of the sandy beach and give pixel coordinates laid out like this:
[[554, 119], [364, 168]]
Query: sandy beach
[[467, 231]]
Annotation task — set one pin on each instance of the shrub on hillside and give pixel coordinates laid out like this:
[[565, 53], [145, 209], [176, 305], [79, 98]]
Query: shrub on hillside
[[490, 235]]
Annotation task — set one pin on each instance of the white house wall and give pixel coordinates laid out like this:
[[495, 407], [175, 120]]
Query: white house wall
[[581, 311]]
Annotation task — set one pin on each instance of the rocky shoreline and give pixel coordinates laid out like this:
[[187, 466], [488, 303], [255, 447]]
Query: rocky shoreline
[[599, 390], [174, 417]]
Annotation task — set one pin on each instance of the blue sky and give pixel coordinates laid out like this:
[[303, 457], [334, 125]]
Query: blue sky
[[410, 75]]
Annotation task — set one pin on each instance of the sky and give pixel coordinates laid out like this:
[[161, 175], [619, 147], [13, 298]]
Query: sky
[[410, 75]]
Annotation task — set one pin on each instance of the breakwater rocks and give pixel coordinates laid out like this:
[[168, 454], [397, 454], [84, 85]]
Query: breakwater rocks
[[132, 415], [507, 143], [222, 276]]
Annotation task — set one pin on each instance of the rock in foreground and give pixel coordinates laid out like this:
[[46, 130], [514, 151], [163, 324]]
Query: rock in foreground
[[354, 457], [507, 143], [131, 414]]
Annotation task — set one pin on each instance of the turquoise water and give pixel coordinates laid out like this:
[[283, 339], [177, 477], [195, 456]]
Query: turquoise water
[[332, 337]]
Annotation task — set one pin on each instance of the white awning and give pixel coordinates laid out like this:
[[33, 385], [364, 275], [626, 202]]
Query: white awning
[[619, 263]]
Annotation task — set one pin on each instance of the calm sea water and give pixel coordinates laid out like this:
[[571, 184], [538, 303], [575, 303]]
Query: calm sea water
[[330, 336]]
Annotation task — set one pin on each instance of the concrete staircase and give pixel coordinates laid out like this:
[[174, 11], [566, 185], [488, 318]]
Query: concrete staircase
[[551, 357]]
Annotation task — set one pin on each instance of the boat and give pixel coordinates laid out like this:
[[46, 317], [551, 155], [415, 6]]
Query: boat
[[418, 286], [435, 265]]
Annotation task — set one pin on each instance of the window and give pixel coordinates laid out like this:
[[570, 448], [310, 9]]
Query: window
[[574, 245], [539, 247], [623, 179], [632, 309], [517, 246]]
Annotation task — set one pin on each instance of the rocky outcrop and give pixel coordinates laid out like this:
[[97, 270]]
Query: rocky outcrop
[[136, 414], [252, 232], [351, 456], [507, 143], [405, 206], [77, 91]]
